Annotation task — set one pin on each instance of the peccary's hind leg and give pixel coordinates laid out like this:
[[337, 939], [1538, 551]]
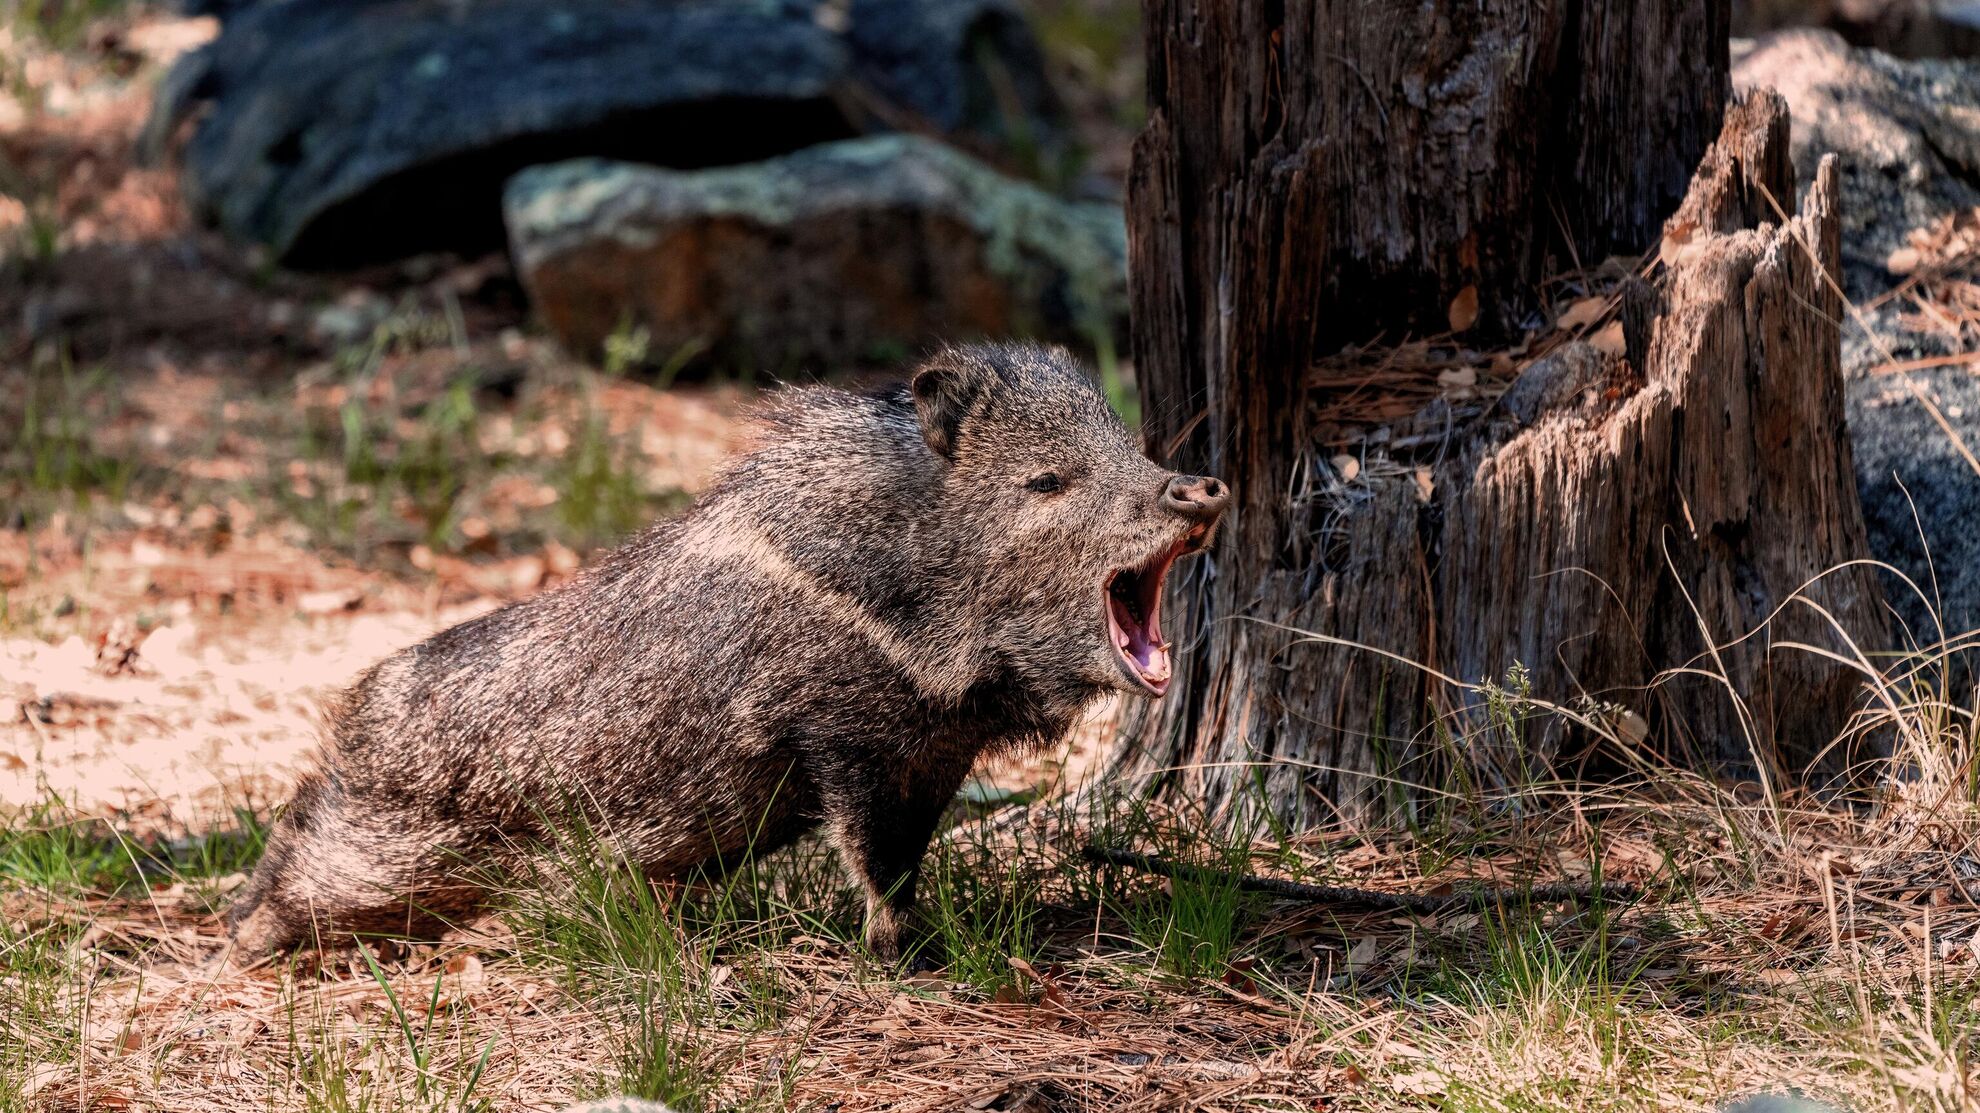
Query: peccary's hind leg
[[880, 822], [325, 878]]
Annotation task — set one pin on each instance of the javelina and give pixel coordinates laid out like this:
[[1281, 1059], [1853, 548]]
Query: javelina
[[886, 587]]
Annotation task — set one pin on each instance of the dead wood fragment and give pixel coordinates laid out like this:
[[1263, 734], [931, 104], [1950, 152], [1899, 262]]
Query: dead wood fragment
[[1425, 903]]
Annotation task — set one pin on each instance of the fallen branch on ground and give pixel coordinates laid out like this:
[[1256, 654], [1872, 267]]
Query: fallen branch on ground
[[1372, 898]]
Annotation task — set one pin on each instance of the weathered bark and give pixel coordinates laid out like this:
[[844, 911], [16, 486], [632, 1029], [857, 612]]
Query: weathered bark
[[1324, 176]]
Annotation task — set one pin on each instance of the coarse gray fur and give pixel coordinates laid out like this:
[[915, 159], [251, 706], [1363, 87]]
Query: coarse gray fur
[[883, 588]]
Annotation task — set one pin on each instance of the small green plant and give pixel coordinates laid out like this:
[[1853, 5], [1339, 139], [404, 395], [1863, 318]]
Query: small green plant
[[1498, 750], [55, 450], [43, 1017], [1193, 923], [627, 349], [49, 848], [621, 941], [335, 1068], [54, 868], [390, 471], [682, 969], [983, 909], [434, 467], [419, 1045], [599, 494], [1122, 394]]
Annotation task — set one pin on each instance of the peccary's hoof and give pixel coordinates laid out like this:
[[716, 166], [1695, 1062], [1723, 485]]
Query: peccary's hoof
[[928, 959]]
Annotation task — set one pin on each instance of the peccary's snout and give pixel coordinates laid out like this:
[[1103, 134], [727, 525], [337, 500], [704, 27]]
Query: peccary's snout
[[1200, 497]]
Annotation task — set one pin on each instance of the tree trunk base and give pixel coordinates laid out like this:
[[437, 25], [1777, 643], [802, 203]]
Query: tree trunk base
[[1634, 527]]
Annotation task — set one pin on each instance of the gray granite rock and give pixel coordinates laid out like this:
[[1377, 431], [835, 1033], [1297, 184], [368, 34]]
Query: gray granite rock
[[1907, 133], [1778, 1103], [342, 132], [1908, 137]]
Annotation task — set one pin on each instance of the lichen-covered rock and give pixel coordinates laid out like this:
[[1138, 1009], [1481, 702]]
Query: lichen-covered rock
[[849, 251], [1908, 137], [350, 131]]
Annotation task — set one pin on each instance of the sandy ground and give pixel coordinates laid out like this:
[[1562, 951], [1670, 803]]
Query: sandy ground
[[170, 678]]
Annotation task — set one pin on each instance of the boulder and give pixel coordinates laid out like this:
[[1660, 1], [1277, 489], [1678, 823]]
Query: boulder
[[1908, 136], [860, 250], [343, 132], [1906, 28]]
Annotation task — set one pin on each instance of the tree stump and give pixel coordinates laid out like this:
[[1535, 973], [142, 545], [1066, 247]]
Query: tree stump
[[1606, 518]]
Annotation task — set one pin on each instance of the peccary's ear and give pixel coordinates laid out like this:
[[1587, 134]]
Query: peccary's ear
[[945, 390]]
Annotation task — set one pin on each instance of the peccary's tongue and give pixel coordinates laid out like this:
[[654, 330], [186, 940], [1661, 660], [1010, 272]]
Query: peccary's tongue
[[1134, 600]]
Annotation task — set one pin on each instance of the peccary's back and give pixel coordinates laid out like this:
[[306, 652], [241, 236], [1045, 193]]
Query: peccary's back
[[668, 692]]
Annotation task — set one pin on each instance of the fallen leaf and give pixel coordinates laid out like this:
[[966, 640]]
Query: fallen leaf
[[1052, 995], [1631, 729], [527, 573], [895, 1026], [1361, 955], [1238, 976], [561, 559], [1464, 309], [1582, 313], [1676, 246], [466, 968], [1609, 340]]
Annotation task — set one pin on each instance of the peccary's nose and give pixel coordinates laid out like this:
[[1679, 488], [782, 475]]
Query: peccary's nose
[[1197, 496]]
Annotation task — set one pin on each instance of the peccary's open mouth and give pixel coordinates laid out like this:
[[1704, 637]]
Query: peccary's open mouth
[[1134, 614]]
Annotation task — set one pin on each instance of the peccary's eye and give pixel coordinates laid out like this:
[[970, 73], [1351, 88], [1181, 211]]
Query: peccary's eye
[[1047, 484]]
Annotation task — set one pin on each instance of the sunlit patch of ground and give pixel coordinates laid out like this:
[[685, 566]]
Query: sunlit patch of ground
[[183, 585]]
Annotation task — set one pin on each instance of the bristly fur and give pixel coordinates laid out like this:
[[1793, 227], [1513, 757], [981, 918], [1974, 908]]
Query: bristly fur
[[878, 592]]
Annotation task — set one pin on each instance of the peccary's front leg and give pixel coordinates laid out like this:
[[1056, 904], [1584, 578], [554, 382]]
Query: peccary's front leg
[[881, 820]]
